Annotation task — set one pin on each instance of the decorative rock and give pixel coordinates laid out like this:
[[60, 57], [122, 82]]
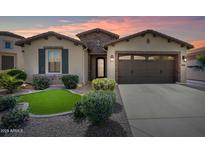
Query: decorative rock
[[22, 106]]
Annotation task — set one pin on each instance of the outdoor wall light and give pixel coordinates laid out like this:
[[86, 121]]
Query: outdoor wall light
[[111, 58], [184, 58]]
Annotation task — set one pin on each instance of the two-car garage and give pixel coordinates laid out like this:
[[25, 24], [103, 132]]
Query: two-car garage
[[147, 57], [139, 68]]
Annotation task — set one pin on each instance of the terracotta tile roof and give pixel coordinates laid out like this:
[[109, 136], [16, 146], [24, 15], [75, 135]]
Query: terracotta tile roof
[[6, 33], [98, 30], [45, 35], [142, 33]]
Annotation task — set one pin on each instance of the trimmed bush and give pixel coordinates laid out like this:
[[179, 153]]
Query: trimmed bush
[[78, 110], [103, 84], [41, 82], [18, 74], [7, 102], [201, 59], [14, 119], [70, 81], [9, 82], [98, 105]]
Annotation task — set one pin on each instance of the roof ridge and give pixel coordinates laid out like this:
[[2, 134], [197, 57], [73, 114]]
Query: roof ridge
[[45, 34], [149, 31], [11, 34], [97, 29]]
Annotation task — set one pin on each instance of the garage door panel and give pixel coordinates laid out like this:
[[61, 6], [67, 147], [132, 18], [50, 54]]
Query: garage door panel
[[167, 79], [125, 79], [153, 69], [125, 68]]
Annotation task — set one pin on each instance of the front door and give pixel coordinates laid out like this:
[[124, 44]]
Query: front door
[[7, 62], [100, 67]]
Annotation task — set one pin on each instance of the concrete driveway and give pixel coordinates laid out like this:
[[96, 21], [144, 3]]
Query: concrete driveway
[[164, 109]]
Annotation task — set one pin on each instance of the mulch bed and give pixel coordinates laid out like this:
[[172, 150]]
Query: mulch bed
[[65, 126]]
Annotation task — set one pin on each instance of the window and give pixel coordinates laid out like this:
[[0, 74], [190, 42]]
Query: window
[[168, 58], [7, 45], [54, 60], [139, 58], [154, 58], [100, 67], [125, 57], [7, 62]]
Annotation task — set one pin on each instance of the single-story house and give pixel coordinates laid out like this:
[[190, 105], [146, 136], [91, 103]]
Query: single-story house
[[10, 54], [144, 57]]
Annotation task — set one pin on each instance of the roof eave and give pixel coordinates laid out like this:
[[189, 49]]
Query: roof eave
[[189, 46], [45, 35], [96, 30]]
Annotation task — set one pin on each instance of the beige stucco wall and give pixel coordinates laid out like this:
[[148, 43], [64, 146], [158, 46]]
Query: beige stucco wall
[[139, 44], [16, 51], [76, 60], [85, 66]]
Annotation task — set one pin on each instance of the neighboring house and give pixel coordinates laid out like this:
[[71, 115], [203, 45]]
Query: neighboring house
[[144, 57], [11, 56], [54, 54], [195, 76]]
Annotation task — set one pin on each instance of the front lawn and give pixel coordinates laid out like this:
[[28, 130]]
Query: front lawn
[[50, 101]]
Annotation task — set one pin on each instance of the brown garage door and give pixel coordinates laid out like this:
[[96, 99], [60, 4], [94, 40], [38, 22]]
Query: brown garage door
[[146, 69]]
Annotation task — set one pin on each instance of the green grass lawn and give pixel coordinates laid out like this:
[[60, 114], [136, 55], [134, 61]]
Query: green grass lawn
[[50, 101]]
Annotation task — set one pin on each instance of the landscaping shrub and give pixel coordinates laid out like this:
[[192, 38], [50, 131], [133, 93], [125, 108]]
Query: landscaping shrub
[[98, 105], [70, 81], [18, 74], [201, 58], [103, 84], [7, 102], [9, 82], [41, 82], [78, 110], [14, 119]]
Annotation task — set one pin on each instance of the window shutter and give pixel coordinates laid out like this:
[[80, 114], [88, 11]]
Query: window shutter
[[65, 57], [41, 61]]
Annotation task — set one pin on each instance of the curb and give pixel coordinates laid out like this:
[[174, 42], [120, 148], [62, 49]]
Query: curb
[[49, 115]]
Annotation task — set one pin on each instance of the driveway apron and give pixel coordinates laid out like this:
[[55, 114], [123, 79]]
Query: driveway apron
[[164, 109]]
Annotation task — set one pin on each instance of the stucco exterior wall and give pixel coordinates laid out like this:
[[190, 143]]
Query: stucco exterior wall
[[76, 60], [139, 43], [16, 51], [85, 71]]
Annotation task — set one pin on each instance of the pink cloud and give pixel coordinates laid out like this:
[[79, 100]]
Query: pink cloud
[[122, 26], [199, 43]]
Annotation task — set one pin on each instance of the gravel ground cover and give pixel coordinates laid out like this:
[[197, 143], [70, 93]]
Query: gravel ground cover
[[65, 126]]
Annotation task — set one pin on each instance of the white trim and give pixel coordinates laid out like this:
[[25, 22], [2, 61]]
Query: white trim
[[12, 44]]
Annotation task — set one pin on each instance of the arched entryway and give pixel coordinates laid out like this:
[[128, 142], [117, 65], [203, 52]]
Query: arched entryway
[[97, 66]]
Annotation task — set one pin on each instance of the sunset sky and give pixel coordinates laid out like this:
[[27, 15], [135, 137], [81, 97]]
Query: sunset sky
[[190, 29]]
